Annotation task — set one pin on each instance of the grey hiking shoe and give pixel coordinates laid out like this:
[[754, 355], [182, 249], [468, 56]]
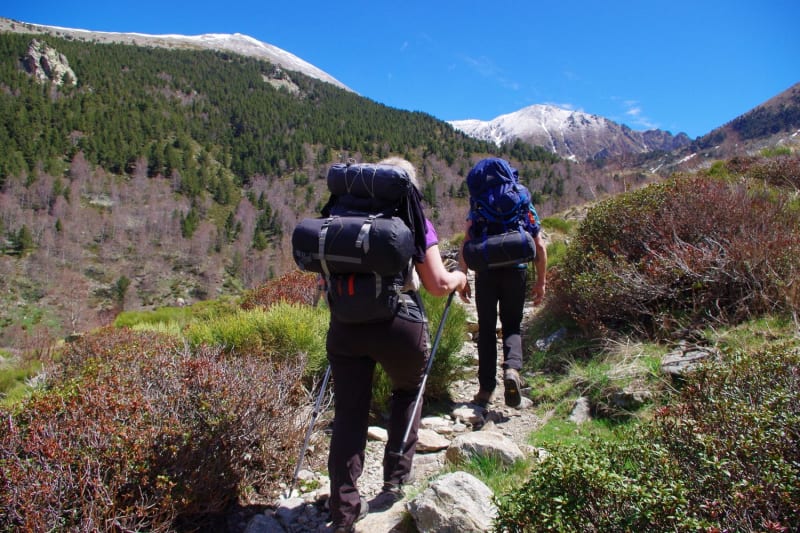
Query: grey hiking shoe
[[482, 399], [388, 496], [512, 383], [363, 509]]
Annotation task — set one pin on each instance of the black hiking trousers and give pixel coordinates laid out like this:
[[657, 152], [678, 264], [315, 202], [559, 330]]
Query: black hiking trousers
[[504, 288], [401, 347]]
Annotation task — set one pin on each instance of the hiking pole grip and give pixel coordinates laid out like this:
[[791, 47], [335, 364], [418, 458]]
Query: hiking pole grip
[[428, 366], [314, 415]]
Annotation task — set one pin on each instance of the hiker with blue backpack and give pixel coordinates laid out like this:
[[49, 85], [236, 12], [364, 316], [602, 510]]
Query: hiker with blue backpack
[[373, 247], [502, 235]]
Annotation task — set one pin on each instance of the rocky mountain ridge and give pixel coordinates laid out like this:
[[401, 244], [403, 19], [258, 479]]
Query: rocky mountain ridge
[[574, 135], [236, 43], [571, 134]]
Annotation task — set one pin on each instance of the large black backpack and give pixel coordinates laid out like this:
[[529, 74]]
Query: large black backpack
[[503, 218], [363, 244]]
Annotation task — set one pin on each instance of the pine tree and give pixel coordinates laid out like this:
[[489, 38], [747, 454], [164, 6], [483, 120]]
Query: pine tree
[[22, 241]]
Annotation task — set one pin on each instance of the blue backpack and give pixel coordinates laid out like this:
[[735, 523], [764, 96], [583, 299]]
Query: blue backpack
[[503, 218]]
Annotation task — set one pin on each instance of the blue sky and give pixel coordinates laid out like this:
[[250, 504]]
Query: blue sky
[[685, 66]]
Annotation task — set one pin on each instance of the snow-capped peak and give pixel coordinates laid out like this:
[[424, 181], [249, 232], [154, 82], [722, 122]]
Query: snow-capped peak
[[568, 133]]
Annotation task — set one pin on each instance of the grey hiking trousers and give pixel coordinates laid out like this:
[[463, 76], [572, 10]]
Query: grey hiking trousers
[[401, 347]]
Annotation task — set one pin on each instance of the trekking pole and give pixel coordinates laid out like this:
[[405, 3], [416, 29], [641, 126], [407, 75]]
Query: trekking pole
[[418, 401], [314, 416]]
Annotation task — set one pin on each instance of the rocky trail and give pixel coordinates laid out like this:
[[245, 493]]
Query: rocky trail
[[305, 510]]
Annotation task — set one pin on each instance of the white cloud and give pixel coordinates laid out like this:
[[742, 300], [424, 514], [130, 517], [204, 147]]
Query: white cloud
[[637, 116], [486, 68]]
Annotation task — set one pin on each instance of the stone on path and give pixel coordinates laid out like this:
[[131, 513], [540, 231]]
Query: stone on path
[[377, 433], [455, 502], [483, 444], [469, 413], [430, 441]]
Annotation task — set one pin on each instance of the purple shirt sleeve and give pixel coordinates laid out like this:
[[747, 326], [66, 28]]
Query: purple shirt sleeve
[[431, 237]]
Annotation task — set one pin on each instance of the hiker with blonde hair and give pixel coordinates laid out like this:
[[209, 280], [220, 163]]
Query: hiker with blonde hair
[[400, 344]]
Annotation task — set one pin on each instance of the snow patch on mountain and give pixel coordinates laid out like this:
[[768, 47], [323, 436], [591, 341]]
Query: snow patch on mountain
[[571, 134]]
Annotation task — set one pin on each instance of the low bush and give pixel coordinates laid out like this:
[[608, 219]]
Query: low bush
[[560, 225], [238, 332], [597, 487], [724, 457], [180, 316], [284, 331], [778, 167], [293, 329], [13, 376], [134, 433], [735, 437], [295, 287], [555, 255], [680, 253]]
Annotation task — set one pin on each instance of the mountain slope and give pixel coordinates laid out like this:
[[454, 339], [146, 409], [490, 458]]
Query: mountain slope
[[772, 124], [236, 43], [152, 176], [775, 121], [571, 134]]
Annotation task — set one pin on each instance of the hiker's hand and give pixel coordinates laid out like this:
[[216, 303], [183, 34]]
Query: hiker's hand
[[465, 292], [538, 293], [451, 265]]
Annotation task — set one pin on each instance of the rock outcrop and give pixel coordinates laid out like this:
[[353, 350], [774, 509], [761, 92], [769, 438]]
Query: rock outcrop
[[47, 64]]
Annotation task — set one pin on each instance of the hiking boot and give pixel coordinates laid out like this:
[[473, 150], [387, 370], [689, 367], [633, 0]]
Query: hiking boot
[[363, 509], [388, 496], [483, 398], [511, 381]]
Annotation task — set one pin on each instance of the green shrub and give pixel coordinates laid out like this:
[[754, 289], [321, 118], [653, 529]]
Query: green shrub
[[282, 332], [162, 328], [292, 329], [134, 433], [724, 457], [603, 486], [776, 151], [735, 434], [13, 377], [240, 332], [557, 224], [555, 254], [181, 316], [682, 252]]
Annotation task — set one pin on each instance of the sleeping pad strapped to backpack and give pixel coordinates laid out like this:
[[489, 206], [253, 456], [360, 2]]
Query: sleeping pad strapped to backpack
[[503, 218], [363, 245]]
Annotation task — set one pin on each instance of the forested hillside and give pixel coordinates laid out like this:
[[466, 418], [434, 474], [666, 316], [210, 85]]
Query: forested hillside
[[165, 175]]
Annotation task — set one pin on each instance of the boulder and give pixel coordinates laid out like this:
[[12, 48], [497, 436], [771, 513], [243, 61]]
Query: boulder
[[455, 502], [483, 444]]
